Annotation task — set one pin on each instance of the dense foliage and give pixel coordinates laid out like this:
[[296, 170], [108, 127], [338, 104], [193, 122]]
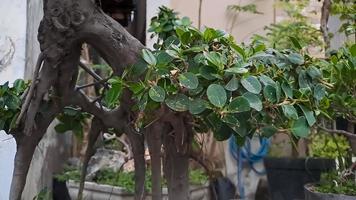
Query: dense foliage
[[126, 179], [324, 145], [340, 71], [295, 25], [228, 88], [10, 103], [332, 182]]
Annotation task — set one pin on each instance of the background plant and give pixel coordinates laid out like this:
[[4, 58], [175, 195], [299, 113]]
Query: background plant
[[296, 26]]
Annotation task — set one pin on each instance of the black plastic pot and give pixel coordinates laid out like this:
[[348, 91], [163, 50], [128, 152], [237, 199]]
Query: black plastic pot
[[287, 176], [313, 195]]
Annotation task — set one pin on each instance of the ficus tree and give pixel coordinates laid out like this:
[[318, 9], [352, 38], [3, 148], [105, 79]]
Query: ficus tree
[[193, 81]]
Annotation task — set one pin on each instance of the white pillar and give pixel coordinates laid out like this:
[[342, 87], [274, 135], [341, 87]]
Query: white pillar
[[12, 65]]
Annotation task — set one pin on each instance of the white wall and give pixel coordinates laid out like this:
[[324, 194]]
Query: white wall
[[12, 64]]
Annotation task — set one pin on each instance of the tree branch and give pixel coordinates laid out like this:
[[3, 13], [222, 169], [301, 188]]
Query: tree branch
[[342, 132]]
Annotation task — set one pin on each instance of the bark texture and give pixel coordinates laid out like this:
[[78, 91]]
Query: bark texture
[[66, 25]]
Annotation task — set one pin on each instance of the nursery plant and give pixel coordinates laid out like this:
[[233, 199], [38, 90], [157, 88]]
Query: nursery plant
[[192, 81]]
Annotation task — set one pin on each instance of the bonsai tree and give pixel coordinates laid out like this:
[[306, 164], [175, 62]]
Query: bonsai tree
[[191, 82]]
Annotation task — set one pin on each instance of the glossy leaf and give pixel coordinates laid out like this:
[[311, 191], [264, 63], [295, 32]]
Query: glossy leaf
[[239, 104], [216, 95], [296, 58], [233, 84], [254, 101], [157, 93], [270, 93], [179, 102], [252, 84], [287, 90], [149, 57], [309, 115], [188, 80], [290, 112], [300, 127], [197, 106]]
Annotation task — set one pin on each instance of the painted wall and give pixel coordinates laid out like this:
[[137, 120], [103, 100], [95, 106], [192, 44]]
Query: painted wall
[[216, 15], [12, 64]]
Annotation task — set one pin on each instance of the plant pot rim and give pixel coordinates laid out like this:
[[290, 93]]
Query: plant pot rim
[[308, 163], [96, 187], [308, 187]]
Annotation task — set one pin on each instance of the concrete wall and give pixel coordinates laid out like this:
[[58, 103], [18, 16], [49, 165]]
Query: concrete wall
[[12, 64]]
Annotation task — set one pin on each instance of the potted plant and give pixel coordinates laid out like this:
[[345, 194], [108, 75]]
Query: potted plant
[[108, 183], [341, 73]]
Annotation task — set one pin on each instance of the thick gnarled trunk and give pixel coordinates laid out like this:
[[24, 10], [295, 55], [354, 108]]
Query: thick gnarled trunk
[[66, 25]]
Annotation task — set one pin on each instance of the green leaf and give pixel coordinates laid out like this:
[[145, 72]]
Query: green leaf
[[295, 42], [221, 130], [239, 104], [270, 93], [215, 58], [157, 93], [216, 95], [179, 102], [143, 102], [61, 128], [278, 91], [314, 72], [149, 57], [230, 120], [197, 106], [139, 67], [254, 101], [296, 58], [112, 95], [303, 79], [353, 50], [19, 85], [136, 87], [309, 115], [208, 72], [300, 127], [186, 21], [163, 58], [268, 131], [267, 80], [12, 102], [232, 85], [251, 84], [319, 92], [188, 80], [237, 70], [210, 34], [287, 90], [239, 50], [290, 112]]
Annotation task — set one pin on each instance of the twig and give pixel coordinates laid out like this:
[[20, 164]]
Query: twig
[[26, 104], [102, 82], [90, 71], [342, 132]]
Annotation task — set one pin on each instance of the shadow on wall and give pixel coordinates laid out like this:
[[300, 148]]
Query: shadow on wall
[[7, 51]]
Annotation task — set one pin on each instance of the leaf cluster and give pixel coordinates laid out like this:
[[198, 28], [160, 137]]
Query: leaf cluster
[[323, 145], [228, 88], [10, 103], [332, 182], [340, 71]]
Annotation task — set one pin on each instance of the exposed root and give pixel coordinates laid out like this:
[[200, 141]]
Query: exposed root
[[95, 130], [138, 150], [31, 91], [153, 138]]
